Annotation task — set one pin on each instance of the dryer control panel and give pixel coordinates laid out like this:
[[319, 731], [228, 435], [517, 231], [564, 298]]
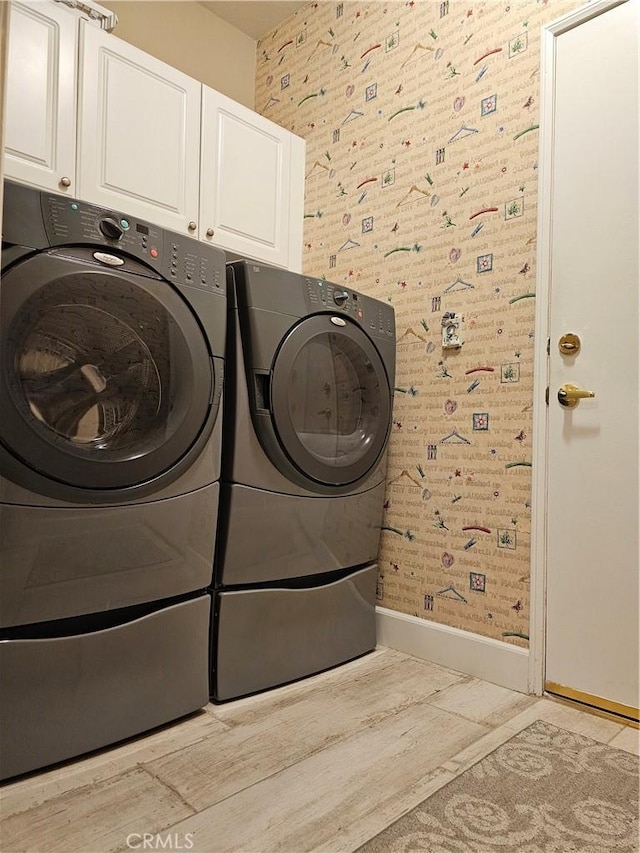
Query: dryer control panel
[[374, 316], [261, 287]]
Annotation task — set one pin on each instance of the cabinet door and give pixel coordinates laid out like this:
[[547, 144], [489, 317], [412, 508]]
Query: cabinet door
[[40, 125], [139, 133], [252, 183]]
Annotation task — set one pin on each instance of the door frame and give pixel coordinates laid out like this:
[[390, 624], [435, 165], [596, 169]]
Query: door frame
[[540, 437]]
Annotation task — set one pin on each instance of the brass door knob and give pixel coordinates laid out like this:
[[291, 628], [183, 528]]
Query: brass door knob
[[65, 182], [210, 232], [192, 225], [570, 395]]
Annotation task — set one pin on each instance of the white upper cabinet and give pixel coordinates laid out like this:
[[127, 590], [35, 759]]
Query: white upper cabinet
[[138, 133], [40, 118], [252, 183], [92, 116]]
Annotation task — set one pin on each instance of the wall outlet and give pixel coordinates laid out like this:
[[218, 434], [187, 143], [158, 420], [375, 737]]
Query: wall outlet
[[451, 331]]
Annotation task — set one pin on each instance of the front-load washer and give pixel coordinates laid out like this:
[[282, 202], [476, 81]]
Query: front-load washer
[[307, 416], [112, 344]]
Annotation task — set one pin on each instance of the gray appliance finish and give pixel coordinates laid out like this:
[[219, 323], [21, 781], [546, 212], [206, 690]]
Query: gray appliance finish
[[112, 347], [307, 417], [275, 634]]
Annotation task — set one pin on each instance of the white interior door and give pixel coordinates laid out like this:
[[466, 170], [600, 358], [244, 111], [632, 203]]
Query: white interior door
[[592, 522]]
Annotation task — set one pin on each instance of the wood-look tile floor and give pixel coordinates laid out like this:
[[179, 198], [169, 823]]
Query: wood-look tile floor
[[322, 765]]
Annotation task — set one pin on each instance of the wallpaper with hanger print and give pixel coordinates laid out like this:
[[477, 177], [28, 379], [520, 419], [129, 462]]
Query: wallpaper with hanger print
[[421, 121]]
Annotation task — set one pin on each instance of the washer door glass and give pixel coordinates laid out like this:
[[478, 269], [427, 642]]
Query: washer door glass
[[331, 400], [107, 375]]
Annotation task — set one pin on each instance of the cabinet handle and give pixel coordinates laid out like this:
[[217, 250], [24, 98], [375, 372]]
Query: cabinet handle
[[192, 225], [210, 232], [65, 182]]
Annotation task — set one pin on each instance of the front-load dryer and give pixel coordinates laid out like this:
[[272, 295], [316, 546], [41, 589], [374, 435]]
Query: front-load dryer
[[112, 344], [307, 418]]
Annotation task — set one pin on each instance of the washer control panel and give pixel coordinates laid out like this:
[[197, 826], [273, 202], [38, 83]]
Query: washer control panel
[[117, 236], [377, 318]]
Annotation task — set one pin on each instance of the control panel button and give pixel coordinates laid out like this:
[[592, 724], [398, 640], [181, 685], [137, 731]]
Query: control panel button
[[153, 253]]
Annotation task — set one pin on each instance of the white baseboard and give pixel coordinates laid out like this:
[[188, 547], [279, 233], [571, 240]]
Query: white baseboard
[[482, 657]]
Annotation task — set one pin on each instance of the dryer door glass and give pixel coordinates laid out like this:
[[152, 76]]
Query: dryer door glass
[[331, 401], [106, 379]]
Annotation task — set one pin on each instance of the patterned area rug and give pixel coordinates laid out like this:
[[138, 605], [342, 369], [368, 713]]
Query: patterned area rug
[[544, 791]]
